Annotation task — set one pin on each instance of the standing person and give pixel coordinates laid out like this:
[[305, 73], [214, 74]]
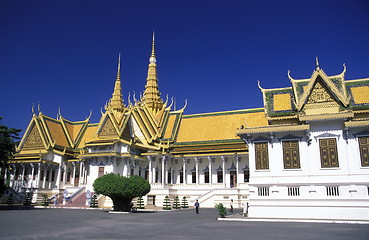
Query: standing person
[[197, 205], [231, 210]]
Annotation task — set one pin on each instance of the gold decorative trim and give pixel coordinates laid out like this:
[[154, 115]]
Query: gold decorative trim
[[357, 124], [326, 116], [282, 118], [282, 128]]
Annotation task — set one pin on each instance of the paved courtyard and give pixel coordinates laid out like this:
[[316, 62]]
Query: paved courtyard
[[183, 224]]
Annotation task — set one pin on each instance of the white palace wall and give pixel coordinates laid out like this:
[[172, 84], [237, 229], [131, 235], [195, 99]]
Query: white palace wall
[[311, 191]]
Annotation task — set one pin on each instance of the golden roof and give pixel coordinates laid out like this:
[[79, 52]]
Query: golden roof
[[219, 125]]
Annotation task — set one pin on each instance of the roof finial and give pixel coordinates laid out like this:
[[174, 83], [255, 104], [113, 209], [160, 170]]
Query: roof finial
[[116, 101], [118, 73], [129, 99], [260, 85], [39, 109], [153, 57], [89, 116], [289, 75], [344, 69], [58, 115], [317, 63]]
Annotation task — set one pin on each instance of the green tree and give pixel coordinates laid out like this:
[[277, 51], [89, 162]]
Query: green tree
[[222, 211], [94, 203], [184, 202], [140, 203], [8, 137], [166, 205], [176, 204], [121, 190]]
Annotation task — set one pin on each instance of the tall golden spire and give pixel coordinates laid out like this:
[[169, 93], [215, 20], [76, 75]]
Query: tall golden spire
[[151, 97], [116, 101]]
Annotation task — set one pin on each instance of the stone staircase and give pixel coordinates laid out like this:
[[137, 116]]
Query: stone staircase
[[79, 201]]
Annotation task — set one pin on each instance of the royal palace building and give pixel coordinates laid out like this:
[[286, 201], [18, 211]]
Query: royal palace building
[[304, 154]]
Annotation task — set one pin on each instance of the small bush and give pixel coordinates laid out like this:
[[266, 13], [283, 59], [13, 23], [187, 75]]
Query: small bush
[[140, 203], [27, 200], [222, 211], [94, 203], [184, 202], [166, 205], [176, 204], [45, 200]]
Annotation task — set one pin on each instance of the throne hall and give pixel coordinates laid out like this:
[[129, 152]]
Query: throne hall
[[304, 154]]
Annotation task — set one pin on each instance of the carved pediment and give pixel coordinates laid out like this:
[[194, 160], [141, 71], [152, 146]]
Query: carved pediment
[[34, 140], [320, 101], [319, 94], [108, 128]]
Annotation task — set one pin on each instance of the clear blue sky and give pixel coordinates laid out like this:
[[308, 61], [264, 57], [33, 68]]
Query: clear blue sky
[[64, 53]]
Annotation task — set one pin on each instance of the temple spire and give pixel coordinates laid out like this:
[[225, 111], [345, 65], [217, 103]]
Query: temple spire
[[153, 57], [151, 97], [116, 101]]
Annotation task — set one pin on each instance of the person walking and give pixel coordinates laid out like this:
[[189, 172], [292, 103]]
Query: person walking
[[197, 205], [231, 205]]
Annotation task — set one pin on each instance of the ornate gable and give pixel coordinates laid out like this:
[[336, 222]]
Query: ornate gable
[[322, 89], [107, 128], [320, 101], [319, 94], [33, 138]]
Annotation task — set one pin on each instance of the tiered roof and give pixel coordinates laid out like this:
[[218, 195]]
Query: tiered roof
[[319, 97], [151, 126]]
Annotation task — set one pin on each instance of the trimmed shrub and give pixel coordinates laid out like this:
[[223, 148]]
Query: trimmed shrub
[[140, 203], [176, 203], [166, 205], [45, 200], [184, 202], [94, 203]]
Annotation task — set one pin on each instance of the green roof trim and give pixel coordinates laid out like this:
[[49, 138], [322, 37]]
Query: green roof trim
[[269, 96], [300, 88]]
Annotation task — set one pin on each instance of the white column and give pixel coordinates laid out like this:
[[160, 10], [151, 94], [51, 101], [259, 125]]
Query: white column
[[65, 174], [50, 174], [23, 166], [30, 184], [5, 176], [150, 169], [82, 181], [73, 173], [38, 175], [210, 172], [125, 168], [85, 169], [197, 170], [166, 171], [44, 180], [57, 182], [80, 172], [184, 171], [163, 159], [237, 170], [224, 178]]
